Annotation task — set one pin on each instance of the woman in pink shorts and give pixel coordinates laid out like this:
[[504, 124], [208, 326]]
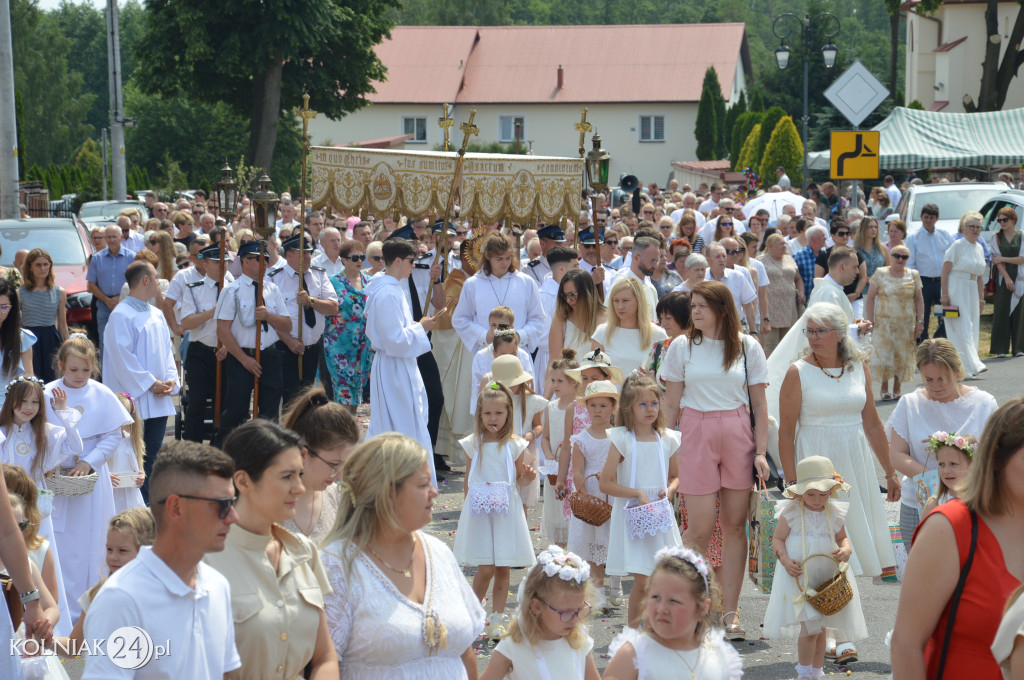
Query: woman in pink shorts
[[707, 371]]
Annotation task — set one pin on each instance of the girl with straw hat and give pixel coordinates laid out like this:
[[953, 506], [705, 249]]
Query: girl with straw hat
[[811, 525]]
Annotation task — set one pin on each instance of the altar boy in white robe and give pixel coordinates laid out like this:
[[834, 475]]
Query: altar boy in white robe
[[138, 360], [398, 398]]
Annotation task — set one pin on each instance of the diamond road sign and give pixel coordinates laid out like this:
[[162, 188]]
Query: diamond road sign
[[856, 93]]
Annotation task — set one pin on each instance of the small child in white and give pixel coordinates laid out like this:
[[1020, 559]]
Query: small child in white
[[676, 639], [953, 453], [811, 525], [126, 461], [548, 638]]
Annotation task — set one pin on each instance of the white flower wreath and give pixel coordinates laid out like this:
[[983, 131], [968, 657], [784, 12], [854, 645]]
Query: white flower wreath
[[566, 565], [690, 556]]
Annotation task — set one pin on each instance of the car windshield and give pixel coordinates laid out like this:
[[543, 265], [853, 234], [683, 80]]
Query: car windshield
[[63, 245], [104, 209], [952, 204]]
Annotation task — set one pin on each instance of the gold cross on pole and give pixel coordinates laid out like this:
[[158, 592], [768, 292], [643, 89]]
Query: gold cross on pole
[[446, 122], [469, 130], [306, 114], [583, 127]]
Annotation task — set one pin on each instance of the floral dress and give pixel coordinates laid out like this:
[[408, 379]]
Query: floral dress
[[346, 346]]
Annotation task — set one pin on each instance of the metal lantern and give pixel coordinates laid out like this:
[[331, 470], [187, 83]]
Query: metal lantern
[[782, 56], [265, 203], [829, 53], [598, 161], [227, 193]]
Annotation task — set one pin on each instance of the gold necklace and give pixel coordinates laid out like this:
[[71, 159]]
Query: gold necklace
[[694, 667], [821, 368], [404, 572]]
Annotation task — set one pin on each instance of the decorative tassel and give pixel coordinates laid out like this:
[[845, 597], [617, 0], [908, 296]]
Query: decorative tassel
[[435, 633]]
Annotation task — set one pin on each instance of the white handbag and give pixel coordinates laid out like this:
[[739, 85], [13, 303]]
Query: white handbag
[[651, 518], [488, 497]]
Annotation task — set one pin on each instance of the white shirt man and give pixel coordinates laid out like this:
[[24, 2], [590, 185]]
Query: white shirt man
[[712, 202], [894, 191], [689, 203], [743, 293], [645, 256], [329, 256], [928, 247]]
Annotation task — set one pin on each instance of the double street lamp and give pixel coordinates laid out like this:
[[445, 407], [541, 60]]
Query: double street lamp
[[828, 52]]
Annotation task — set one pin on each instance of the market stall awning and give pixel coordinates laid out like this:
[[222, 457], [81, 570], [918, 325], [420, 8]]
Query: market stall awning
[[915, 140]]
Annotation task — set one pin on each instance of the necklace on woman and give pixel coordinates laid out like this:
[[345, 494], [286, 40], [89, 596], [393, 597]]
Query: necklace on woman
[[694, 667], [404, 572], [842, 370]]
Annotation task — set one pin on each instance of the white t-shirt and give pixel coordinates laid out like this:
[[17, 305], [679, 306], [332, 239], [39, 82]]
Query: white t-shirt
[[741, 287], [708, 386], [1010, 628], [625, 351]]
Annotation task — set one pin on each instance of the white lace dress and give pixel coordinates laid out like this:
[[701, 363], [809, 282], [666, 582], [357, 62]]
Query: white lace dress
[[789, 616], [501, 539], [554, 524], [378, 631], [830, 425], [636, 556], [715, 659], [964, 332], [590, 542]]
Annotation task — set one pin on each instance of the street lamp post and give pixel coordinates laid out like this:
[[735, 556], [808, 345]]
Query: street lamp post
[[227, 198], [829, 52]]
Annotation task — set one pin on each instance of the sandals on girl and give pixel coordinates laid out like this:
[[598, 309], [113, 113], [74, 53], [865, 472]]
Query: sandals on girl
[[733, 631], [845, 653]]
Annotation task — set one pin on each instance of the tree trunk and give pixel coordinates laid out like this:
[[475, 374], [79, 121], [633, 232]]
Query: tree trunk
[[1012, 59], [266, 111], [894, 49], [988, 98]]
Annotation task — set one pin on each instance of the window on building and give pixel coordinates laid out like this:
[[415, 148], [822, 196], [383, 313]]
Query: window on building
[[652, 128], [417, 127], [508, 128]]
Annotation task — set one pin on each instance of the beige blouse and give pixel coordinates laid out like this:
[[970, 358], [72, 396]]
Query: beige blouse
[[276, 615]]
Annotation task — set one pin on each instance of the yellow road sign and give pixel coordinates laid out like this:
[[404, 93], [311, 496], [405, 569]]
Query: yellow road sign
[[855, 154]]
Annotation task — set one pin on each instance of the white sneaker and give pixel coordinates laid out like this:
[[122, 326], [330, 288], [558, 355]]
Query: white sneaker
[[615, 597], [497, 627]]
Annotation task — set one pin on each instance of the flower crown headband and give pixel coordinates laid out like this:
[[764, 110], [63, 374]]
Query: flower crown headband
[[568, 566], [21, 379], [687, 555], [79, 334], [939, 439], [131, 403]]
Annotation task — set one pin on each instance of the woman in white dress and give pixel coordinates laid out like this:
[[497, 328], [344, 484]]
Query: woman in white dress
[[626, 337], [401, 608], [942, 404], [963, 285], [578, 312], [827, 407], [498, 283]]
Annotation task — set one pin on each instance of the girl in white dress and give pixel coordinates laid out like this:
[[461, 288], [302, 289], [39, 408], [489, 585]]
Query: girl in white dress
[[548, 638], [812, 524], [492, 533], [628, 334], [505, 341], [677, 638], [23, 421], [527, 417], [127, 460], [589, 453], [963, 285], [953, 452], [79, 523], [554, 445], [642, 473]]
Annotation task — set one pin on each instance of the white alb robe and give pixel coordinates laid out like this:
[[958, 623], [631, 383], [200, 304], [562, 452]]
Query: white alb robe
[[398, 399], [80, 522], [136, 353], [482, 292]]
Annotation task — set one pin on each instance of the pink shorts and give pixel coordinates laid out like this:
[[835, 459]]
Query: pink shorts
[[717, 451]]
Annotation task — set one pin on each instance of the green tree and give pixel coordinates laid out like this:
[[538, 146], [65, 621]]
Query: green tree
[[771, 118], [748, 153], [706, 130], [745, 122], [712, 83], [784, 149], [90, 163], [756, 100], [258, 58], [731, 115]]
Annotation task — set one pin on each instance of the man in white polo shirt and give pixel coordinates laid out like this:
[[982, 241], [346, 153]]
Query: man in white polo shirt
[[743, 293], [183, 605]]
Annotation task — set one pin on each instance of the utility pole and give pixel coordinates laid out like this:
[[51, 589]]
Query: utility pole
[[118, 171], [106, 161], [8, 120]]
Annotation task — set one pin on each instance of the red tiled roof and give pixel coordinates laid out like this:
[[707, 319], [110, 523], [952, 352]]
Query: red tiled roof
[[938, 105], [946, 47], [392, 142], [519, 64], [701, 166]]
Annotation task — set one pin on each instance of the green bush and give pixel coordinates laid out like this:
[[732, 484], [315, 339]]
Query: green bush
[[749, 150], [786, 150], [771, 118], [745, 122]]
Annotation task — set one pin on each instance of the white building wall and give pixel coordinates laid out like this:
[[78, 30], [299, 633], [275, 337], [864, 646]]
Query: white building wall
[[549, 126]]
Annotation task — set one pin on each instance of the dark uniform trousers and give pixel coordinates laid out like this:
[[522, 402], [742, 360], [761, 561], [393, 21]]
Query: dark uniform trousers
[[201, 378], [431, 376], [240, 386], [292, 382]]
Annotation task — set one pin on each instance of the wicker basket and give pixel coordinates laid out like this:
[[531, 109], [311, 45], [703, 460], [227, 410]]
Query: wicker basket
[[553, 479], [590, 509], [61, 484], [832, 596]]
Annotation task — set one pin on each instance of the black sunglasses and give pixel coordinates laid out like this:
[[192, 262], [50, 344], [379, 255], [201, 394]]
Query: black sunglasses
[[734, 252], [225, 504], [377, 258], [611, 242], [842, 233], [725, 224], [1002, 220], [355, 258], [897, 256]]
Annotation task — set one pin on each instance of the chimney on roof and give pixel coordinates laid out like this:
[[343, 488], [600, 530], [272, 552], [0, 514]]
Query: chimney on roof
[[561, 77]]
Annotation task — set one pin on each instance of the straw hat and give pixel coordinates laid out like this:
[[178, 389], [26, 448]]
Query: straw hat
[[508, 370], [599, 388], [596, 359], [816, 472]]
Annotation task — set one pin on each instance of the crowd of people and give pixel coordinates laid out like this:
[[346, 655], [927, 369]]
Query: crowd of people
[[670, 353]]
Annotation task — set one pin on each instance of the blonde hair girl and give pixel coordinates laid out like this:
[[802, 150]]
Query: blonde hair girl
[[628, 333]]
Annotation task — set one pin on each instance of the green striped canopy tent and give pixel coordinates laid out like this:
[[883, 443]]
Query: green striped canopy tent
[[916, 140]]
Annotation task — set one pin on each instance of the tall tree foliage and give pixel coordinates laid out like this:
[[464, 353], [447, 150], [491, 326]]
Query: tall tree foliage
[[785, 150], [734, 112], [745, 122], [706, 130], [258, 58], [712, 85]]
